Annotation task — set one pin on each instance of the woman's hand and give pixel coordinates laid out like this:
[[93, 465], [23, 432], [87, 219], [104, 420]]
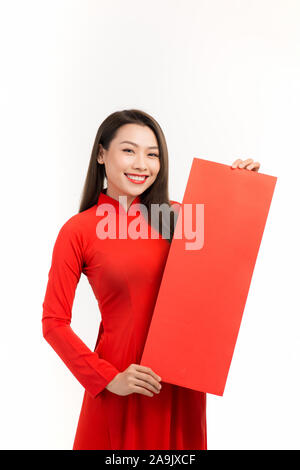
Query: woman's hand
[[248, 164], [135, 379]]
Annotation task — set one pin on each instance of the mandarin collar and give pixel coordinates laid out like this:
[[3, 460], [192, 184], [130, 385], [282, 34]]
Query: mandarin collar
[[104, 198]]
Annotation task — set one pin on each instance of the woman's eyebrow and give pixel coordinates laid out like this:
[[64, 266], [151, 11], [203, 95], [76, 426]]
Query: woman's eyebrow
[[136, 145]]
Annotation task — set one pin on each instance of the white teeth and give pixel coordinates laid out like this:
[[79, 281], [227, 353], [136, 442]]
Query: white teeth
[[138, 178]]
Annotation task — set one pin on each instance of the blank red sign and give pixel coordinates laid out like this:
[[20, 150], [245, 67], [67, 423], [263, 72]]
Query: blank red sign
[[203, 292]]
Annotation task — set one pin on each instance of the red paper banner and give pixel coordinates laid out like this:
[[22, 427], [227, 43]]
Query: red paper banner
[[204, 288]]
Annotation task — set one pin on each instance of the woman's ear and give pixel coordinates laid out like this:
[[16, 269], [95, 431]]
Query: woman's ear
[[100, 154]]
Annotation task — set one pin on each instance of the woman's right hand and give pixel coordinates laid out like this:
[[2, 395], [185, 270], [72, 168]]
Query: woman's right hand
[[135, 379]]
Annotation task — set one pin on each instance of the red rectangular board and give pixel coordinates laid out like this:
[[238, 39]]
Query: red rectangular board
[[203, 292]]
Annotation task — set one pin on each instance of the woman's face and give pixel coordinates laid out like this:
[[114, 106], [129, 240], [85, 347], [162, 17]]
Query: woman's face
[[139, 156]]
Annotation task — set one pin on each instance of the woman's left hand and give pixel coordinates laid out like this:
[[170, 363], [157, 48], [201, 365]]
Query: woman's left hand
[[248, 164]]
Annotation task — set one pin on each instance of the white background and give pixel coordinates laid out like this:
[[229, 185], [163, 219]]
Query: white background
[[222, 79]]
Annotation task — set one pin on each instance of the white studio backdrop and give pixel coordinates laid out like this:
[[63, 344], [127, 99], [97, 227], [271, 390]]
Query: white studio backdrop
[[222, 79]]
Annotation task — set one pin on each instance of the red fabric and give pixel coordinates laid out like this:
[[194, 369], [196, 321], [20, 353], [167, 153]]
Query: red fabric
[[125, 276]]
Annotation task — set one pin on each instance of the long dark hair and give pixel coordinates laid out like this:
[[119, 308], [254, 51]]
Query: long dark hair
[[157, 193]]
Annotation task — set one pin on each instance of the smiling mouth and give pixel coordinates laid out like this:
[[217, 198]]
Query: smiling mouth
[[136, 178]]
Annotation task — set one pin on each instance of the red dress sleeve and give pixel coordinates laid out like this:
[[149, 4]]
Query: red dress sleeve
[[93, 372]]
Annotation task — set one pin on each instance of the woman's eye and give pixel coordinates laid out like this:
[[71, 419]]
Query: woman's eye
[[130, 150]]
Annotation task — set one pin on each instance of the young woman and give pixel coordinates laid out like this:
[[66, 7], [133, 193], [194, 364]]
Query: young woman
[[125, 405]]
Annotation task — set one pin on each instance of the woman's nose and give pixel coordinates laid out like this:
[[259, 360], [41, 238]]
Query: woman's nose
[[139, 162]]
